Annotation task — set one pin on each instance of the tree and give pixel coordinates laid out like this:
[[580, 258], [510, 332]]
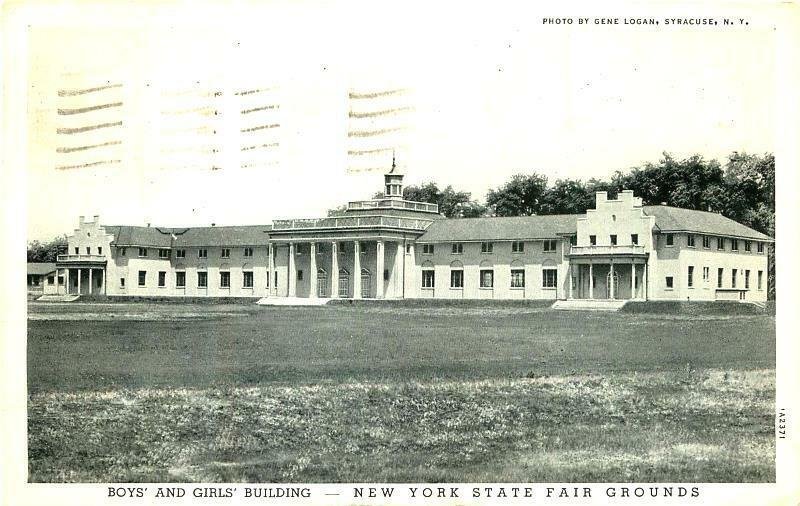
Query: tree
[[567, 196], [452, 203], [46, 251], [521, 196]]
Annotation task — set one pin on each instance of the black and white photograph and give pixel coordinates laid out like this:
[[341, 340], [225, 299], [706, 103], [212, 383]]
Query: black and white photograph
[[379, 252]]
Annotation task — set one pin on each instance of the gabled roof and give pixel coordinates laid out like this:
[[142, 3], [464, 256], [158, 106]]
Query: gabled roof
[[514, 228], [41, 268], [677, 219], [126, 235], [161, 237]]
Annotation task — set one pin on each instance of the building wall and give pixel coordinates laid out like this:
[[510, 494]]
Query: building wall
[[622, 216]]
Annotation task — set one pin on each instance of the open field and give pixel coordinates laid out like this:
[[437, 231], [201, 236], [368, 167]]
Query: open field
[[168, 392]]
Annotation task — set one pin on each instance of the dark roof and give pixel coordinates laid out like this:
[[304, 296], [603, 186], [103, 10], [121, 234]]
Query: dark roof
[[677, 219], [501, 228], [41, 268], [161, 237]]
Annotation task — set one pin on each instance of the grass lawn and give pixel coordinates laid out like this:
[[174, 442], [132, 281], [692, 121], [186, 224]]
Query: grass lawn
[[167, 392]]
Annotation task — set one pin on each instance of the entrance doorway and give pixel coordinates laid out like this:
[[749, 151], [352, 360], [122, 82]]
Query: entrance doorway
[[322, 283], [608, 285], [366, 278], [344, 283]]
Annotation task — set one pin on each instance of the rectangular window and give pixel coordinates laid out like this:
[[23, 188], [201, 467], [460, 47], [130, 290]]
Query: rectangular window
[[517, 247], [733, 278], [428, 278], [517, 278], [720, 272], [77, 251], [706, 242], [88, 250], [760, 280], [690, 240], [573, 240], [408, 249], [224, 279], [670, 283], [549, 278], [760, 247], [180, 279], [706, 273], [276, 280], [163, 253], [634, 239], [487, 247], [613, 239], [61, 280], [99, 250], [142, 252], [202, 279], [427, 249], [487, 278], [162, 279], [690, 277], [720, 243], [457, 278], [300, 275], [123, 251], [122, 282], [458, 248], [248, 252], [142, 277], [550, 245], [593, 240], [734, 245], [225, 253], [51, 280], [748, 246], [670, 240], [247, 279], [747, 279], [180, 253], [202, 253], [268, 284]]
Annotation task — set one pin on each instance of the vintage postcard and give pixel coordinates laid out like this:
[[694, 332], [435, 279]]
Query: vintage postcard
[[399, 253]]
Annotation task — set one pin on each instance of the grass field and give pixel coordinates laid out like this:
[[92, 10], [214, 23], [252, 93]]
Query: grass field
[[167, 392]]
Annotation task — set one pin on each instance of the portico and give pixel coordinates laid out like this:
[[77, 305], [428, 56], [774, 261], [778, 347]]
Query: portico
[[82, 279], [615, 273]]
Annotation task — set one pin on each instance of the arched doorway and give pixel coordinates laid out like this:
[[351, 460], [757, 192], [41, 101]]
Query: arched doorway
[[616, 285], [344, 283], [322, 283], [366, 283]]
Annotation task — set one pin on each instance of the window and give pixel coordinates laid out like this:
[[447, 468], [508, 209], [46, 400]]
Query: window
[[517, 247], [720, 271], [142, 277], [267, 284], [180, 253], [760, 280], [593, 240], [487, 247], [458, 248], [706, 273], [248, 252], [122, 282], [300, 275], [142, 252], [733, 278], [487, 278], [99, 250], [549, 277], [202, 279], [690, 277], [77, 251], [427, 249], [613, 239], [247, 279], [202, 253], [747, 279], [61, 280], [517, 278], [706, 242], [88, 250], [123, 251], [760, 247], [550, 245], [670, 283], [720, 243], [162, 279], [573, 240], [634, 239], [428, 278], [457, 278], [670, 239], [408, 249], [224, 279], [51, 280], [734, 245], [690, 240], [748, 246], [276, 280], [225, 253], [180, 279], [163, 253]]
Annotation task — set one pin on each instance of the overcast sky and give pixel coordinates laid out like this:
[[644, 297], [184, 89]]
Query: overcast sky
[[494, 92]]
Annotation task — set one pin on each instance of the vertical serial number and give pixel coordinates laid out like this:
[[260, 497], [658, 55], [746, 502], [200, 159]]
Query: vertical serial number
[[781, 425]]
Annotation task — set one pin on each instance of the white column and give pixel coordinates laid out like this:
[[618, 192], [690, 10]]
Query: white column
[[334, 277], [312, 266], [292, 281], [398, 272], [91, 286], [379, 281], [271, 270], [633, 280], [66, 281], [569, 275], [644, 281], [356, 270], [611, 280], [591, 281], [80, 275], [105, 284]]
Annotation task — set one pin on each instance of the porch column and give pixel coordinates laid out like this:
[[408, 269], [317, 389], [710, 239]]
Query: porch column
[[334, 277], [292, 281], [80, 275], [312, 276], [570, 281], [611, 280], [271, 270], [591, 281], [633, 280], [104, 285], [644, 281], [66, 281], [91, 286], [356, 270], [398, 265], [379, 281]]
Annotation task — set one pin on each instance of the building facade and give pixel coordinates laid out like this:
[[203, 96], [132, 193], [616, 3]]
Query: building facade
[[394, 248]]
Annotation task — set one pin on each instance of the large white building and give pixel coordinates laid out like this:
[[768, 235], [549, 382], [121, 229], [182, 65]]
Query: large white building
[[393, 248]]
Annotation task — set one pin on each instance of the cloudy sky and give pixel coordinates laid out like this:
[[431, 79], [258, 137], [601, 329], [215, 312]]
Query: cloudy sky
[[487, 93]]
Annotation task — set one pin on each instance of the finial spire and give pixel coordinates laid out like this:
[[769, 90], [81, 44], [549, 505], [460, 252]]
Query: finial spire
[[394, 165]]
